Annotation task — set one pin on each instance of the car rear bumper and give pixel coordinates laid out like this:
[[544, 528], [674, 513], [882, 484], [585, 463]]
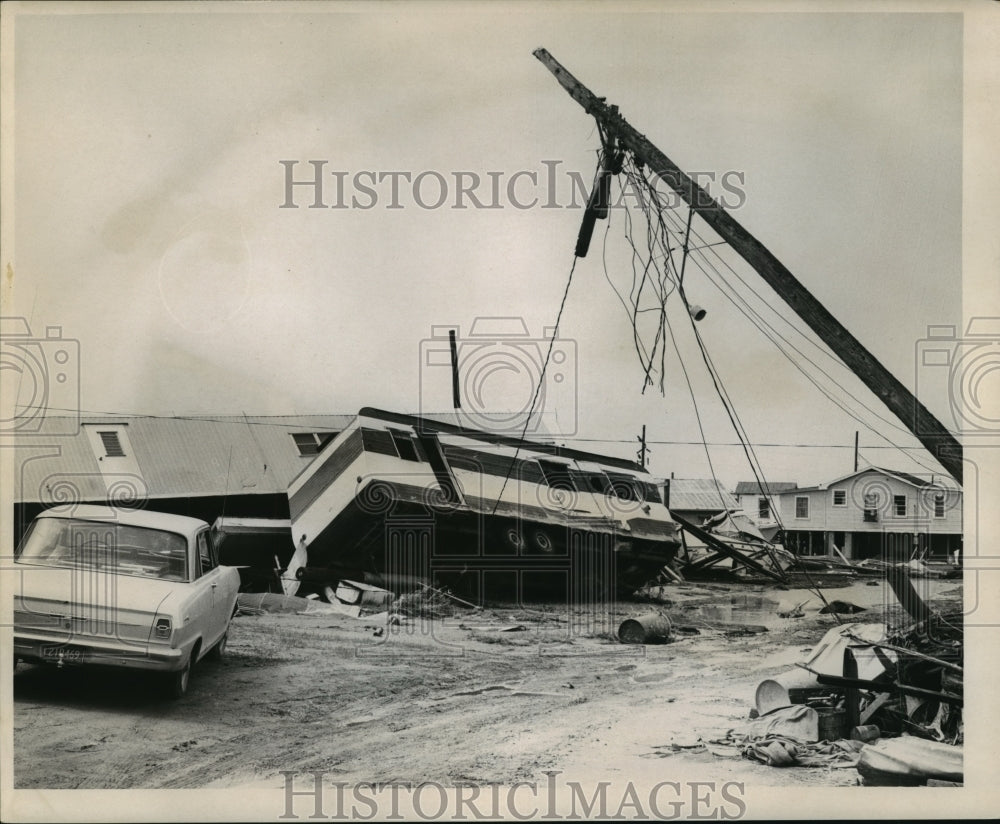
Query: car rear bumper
[[103, 652]]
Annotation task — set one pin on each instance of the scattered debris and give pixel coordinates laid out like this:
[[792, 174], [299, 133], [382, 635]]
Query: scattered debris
[[909, 761], [782, 752], [788, 737], [259, 603], [841, 608], [735, 631], [800, 685], [725, 539], [356, 593], [428, 602], [794, 612], [866, 733]]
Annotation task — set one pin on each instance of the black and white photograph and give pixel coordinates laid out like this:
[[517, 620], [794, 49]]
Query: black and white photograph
[[485, 411]]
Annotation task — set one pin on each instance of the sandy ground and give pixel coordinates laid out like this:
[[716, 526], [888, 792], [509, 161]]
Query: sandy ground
[[447, 700]]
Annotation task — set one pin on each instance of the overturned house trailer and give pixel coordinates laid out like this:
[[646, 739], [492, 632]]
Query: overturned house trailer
[[396, 499]]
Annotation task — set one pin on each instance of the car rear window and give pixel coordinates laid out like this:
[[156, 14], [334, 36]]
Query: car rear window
[[106, 546]]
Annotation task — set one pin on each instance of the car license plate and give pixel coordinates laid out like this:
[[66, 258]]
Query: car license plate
[[69, 655]]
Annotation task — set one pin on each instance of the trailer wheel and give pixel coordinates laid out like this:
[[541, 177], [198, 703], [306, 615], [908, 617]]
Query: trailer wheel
[[542, 541], [514, 538]]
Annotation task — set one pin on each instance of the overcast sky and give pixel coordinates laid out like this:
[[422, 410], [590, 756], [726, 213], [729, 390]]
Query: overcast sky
[[149, 226]]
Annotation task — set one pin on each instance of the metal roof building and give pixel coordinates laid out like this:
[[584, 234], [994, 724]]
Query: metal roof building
[[773, 487], [118, 457], [700, 495]]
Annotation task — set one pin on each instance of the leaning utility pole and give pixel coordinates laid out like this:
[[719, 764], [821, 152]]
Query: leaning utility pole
[[900, 401]]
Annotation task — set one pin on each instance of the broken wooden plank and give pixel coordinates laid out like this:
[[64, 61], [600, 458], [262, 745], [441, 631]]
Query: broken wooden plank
[[725, 549]]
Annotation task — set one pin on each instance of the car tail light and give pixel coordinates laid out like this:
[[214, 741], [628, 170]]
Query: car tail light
[[162, 628]]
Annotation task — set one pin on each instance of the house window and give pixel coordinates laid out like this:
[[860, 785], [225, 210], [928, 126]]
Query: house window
[[899, 505], [801, 506], [312, 443], [112, 446], [871, 507], [763, 509], [840, 497], [939, 505]]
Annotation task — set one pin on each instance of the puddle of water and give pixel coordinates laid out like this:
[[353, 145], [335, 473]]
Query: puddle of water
[[740, 609]]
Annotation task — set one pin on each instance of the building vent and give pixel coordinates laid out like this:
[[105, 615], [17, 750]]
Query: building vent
[[112, 446]]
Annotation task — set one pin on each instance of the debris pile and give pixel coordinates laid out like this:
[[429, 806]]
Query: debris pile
[[731, 537], [892, 700], [430, 602]]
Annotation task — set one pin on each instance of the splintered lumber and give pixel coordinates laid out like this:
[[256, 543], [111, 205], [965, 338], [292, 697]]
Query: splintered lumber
[[878, 686], [721, 546], [451, 597], [907, 651]]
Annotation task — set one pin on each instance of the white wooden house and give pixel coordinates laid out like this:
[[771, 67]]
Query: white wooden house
[[758, 502], [874, 513]]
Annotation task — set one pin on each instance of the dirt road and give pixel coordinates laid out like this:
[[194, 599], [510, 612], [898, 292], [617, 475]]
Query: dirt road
[[466, 698]]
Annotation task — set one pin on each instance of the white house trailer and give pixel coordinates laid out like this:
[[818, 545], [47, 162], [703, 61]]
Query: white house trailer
[[874, 513], [403, 496]]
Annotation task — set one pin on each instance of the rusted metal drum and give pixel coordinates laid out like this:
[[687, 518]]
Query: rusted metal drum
[[866, 733], [652, 628]]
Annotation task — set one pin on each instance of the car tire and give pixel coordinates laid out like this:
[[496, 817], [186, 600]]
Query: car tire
[[218, 652], [177, 682]]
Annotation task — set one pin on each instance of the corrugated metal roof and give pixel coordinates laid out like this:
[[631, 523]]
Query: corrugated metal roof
[[177, 456], [753, 488], [696, 494]]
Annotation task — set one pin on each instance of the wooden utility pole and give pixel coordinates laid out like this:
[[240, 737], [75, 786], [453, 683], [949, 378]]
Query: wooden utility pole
[[456, 395], [643, 451], [900, 401]]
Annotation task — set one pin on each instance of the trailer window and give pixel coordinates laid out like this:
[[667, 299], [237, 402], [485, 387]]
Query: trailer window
[[378, 440], [557, 475], [404, 445], [311, 443]]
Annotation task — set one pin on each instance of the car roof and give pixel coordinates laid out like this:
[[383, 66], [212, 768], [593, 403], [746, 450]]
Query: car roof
[[130, 517]]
